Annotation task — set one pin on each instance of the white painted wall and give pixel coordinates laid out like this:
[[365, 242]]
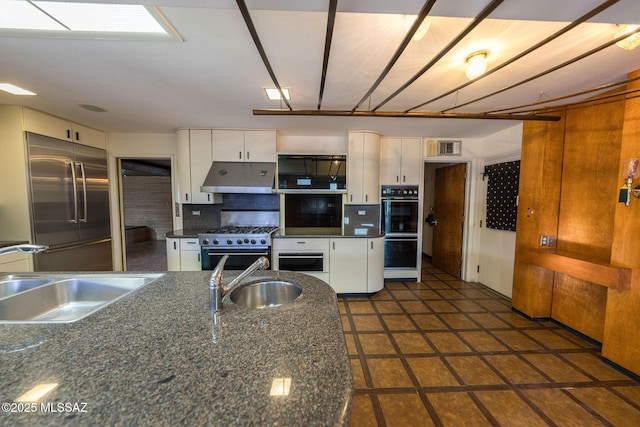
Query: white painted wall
[[496, 248], [492, 250], [132, 146]]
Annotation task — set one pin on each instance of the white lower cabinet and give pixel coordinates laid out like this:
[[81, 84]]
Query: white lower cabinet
[[183, 254], [375, 264], [348, 265], [351, 265], [16, 263]]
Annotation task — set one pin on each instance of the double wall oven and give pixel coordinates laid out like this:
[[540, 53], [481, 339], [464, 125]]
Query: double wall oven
[[399, 216], [238, 238]]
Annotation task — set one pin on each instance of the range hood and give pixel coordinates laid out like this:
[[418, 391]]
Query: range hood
[[238, 177]]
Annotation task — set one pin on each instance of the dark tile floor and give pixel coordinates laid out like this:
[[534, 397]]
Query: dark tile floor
[[150, 255], [445, 352]]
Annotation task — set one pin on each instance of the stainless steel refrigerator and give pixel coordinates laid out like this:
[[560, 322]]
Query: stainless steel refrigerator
[[69, 205]]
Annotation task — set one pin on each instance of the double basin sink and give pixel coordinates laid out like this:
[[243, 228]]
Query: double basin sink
[[60, 298]]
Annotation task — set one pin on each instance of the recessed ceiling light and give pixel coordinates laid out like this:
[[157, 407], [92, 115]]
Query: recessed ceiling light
[[15, 90], [274, 95]]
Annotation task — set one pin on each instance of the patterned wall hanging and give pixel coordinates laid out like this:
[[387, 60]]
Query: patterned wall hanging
[[502, 195]]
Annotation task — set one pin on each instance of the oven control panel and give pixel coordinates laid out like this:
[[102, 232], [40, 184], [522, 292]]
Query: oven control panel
[[234, 241], [400, 191]]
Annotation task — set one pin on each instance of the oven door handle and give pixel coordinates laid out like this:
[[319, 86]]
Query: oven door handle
[[301, 256], [400, 236]]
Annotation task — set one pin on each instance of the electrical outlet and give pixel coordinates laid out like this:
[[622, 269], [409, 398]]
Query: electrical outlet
[[547, 241], [195, 213], [362, 212]]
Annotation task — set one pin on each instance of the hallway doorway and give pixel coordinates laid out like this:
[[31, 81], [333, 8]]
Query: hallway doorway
[[146, 212], [445, 206]]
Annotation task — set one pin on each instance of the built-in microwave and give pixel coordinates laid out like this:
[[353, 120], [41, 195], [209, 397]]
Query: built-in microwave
[[312, 172]]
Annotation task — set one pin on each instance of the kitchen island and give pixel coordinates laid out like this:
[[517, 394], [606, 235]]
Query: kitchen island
[[159, 357]]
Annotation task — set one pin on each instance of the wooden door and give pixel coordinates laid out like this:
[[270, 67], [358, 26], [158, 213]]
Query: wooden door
[[449, 213]]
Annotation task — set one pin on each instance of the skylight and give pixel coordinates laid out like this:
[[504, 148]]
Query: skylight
[[66, 18]]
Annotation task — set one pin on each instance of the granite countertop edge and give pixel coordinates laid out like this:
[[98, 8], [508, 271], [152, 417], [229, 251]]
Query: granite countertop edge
[[159, 357]]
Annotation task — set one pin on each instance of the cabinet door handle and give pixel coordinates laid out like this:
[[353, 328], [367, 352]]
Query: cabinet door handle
[[397, 178], [68, 134], [186, 196], [404, 178], [77, 136], [198, 257], [351, 197], [366, 197], [333, 244], [208, 197], [240, 155], [175, 246], [371, 245], [248, 155]]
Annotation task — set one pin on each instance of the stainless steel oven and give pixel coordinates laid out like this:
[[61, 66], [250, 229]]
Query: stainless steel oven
[[243, 245], [399, 217], [238, 259]]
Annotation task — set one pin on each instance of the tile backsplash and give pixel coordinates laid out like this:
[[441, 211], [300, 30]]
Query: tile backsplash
[[208, 216], [358, 219], [361, 219]]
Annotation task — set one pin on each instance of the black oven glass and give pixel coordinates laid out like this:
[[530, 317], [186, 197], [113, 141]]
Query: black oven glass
[[400, 253], [301, 262], [238, 260], [399, 216]]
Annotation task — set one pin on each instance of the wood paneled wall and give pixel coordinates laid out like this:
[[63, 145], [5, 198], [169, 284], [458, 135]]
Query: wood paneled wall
[[569, 189], [539, 202], [621, 342], [571, 172]]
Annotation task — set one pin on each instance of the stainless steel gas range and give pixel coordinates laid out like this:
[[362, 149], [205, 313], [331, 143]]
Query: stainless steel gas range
[[243, 243]]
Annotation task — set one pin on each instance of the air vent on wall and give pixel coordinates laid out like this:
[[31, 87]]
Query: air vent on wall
[[444, 148]]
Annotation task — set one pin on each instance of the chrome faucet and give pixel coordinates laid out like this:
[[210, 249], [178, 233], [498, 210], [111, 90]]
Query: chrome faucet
[[31, 249], [217, 290]]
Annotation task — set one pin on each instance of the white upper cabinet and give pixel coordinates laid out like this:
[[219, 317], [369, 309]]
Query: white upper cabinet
[[44, 124], [363, 168], [194, 156], [244, 146], [260, 146], [401, 161]]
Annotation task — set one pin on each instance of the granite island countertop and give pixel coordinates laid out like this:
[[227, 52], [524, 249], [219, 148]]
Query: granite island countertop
[[159, 357]]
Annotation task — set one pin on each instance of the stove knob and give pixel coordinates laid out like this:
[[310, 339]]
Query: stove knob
[[246, 240], [239, 241], [253, 241], [216, 241], [263, 241], [229, 242], [205, 241]]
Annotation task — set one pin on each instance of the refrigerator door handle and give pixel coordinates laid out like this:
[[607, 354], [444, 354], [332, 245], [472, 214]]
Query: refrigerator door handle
[[84, 193], [75, 193]]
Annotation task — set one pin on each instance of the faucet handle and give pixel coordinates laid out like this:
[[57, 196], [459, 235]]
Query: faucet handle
[[263, 262]]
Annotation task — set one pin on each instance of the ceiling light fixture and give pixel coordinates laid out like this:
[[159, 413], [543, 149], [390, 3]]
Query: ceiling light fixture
[[274, 94], [15, 90], [422, 29], [630, 42], [476, 64]]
